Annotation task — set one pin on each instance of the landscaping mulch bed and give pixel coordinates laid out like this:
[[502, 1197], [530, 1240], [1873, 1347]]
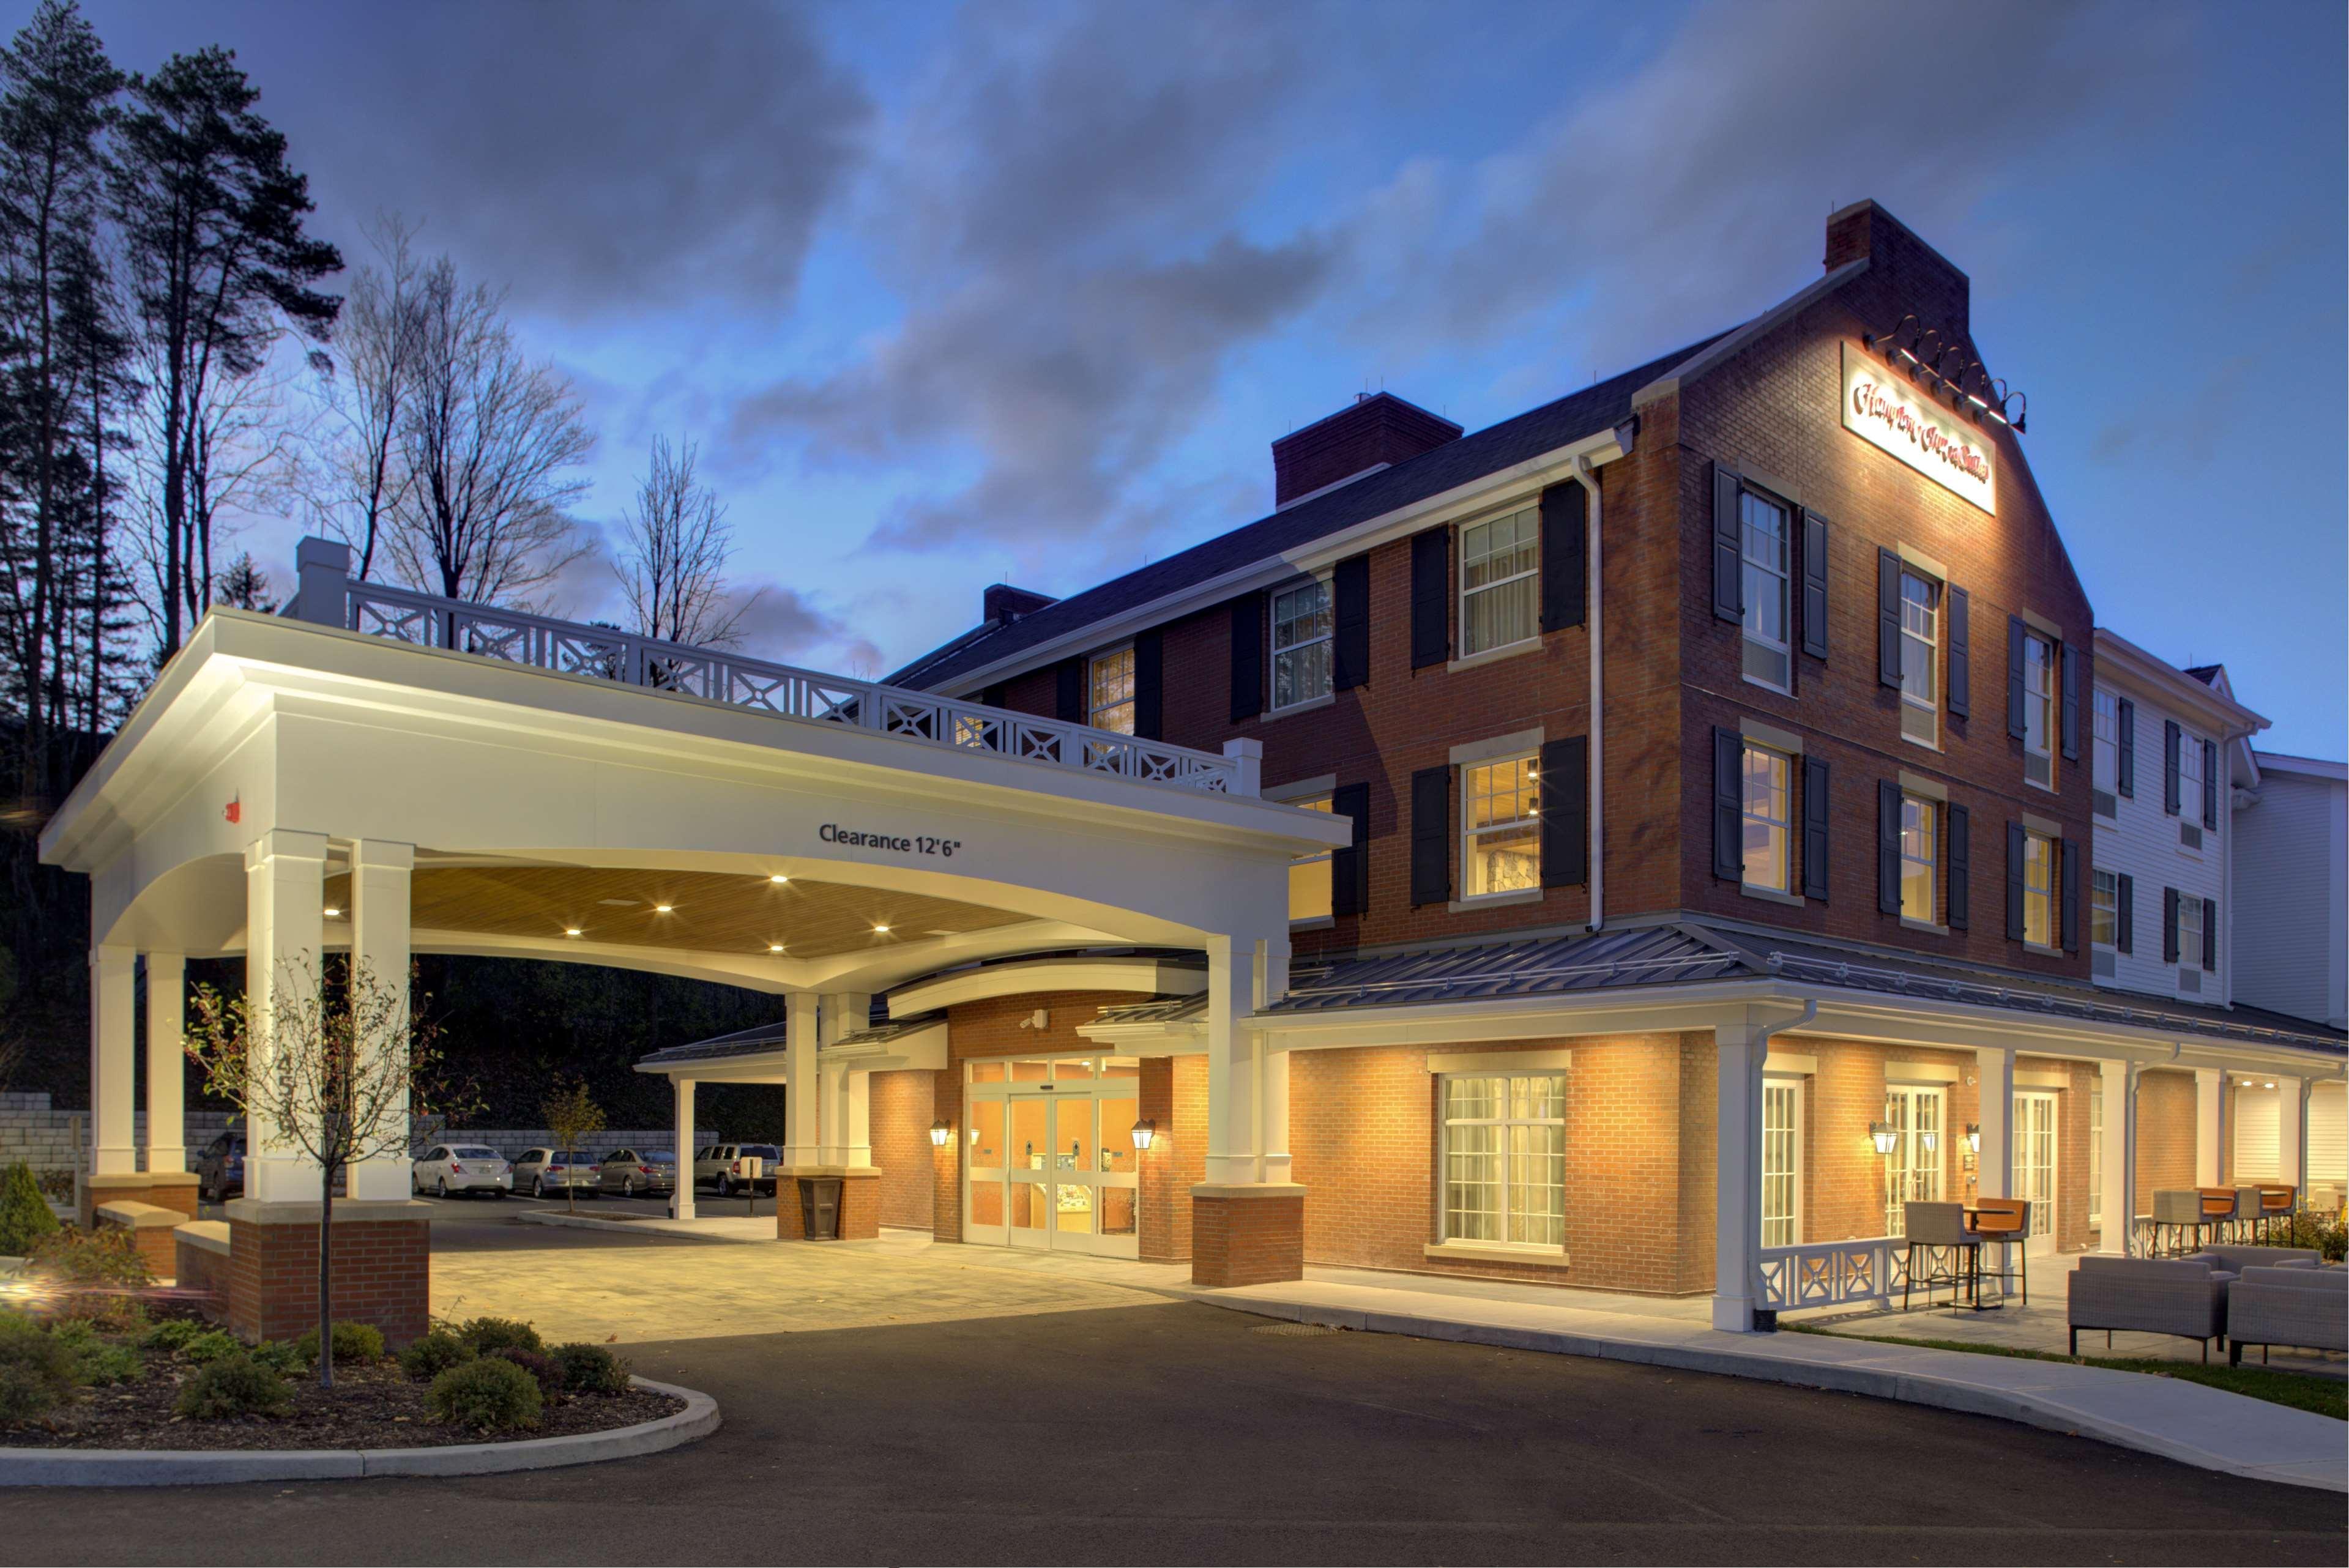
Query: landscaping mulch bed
[[370, 1406]]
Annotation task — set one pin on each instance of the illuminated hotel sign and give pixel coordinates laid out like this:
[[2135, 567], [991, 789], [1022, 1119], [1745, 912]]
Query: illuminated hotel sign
[[1888, 411]]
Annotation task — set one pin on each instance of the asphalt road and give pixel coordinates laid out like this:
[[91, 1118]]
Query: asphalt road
[[1175, 1433]]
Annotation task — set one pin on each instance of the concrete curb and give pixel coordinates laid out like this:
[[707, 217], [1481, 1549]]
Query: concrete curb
[[166, 1467], [1928, 1378]]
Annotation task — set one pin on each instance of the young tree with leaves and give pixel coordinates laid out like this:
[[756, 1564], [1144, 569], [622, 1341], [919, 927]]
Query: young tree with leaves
[[571, 1117]]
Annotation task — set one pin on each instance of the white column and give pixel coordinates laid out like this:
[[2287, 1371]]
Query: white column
[[1233, 1155], [802, 1121], [2291, 1129], [285, 932], [681, 1206], [1994, 1075], [167, 1062], [2118, 1198], [381, 874], [113, 1038], [1737, 1175], [2209, 1126], [846, 1117], [1272, 1067]]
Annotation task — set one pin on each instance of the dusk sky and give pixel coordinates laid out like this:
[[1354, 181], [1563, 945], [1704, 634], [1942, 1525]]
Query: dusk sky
[[949, 294]]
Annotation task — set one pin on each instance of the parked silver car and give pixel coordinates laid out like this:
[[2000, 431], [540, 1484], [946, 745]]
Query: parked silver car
[[726, 1166], [451, 1168], [628, 1172], [541, 1172]]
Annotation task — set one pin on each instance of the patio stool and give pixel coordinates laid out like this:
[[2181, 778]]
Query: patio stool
[[1940, 1226], [2219, 1210], [2175, 1214], [2277, 1204], [2005, 1223]]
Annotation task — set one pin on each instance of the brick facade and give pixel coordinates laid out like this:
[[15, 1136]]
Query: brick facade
[[901, 1111], [1249, 1240], [2165, 1134], [382, 1275]]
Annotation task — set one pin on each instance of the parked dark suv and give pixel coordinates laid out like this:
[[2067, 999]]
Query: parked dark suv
[[220, 1168]]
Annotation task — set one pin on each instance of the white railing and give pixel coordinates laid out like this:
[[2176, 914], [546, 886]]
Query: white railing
[[603, 653], [1836, 1273]]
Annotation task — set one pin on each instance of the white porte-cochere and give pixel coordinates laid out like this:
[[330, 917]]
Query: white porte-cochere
[[344, 779]]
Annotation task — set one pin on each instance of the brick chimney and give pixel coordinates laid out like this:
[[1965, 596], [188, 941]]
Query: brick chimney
[[1002, 603], [1379, 430], [1904, 266]]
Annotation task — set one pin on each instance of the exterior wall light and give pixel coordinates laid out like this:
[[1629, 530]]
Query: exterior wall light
[[1886, 1138], [1928, 1139], [939, 1133], [1145, 1133], [1973, 1137]]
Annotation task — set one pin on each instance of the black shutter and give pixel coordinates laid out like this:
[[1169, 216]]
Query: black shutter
[[1962, 869], [1350, 868], [1248, 657], [1431, 836], [1431, 597], [2069, 658], [1565, 554], [1150, 684], [2124, 912], [1888, 618], [1068, 691], [2169, 925], [2070, 870], [1728, 552], [2210, 784], [1815, 585], [1350, 651], [1566, 813], [1818, 813], [1888, 846], [2015, 676], [2015, 881], [2211, 934], [1729, 805], [2170, 739], [996, 695], [2124, 749], [1962, 681]]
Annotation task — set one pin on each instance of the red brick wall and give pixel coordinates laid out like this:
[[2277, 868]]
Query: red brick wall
[[901, 1113], [2165, 1134], [382, 1275], [1843, 1176], [1245, 1241], [1175, 1096], [201, 1270]]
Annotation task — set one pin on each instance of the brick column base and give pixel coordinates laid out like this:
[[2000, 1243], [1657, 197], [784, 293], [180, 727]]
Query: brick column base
[[164, 1189], [860, 1201], [382, 1268], [1251, 1233]]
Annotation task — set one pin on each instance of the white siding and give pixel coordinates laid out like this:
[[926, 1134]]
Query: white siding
[[2289, 881], [2142, 841]]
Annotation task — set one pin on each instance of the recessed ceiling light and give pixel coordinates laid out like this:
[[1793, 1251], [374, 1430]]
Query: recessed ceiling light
[[774, 947], [570, 931], [779, 879], [663, 908], [332, 913], [880, 931]]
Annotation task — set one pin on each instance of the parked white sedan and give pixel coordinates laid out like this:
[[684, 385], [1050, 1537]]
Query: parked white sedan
[[450, 1168]]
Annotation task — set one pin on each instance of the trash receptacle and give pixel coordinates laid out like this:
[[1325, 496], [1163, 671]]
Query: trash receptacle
[[820, 1208]]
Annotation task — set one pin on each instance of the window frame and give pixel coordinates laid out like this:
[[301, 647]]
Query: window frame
[[2095, 1154], [2189, 946], [2104, 885], [1784, 825], [2189, 777], [1791, 1220], [2104, 741], [1927, 810], [1094, 707], [1327, 800], [1327, 640], [1927, 1178], [1530, 577], [1783, 647], [1926, 709], [1531, 817], [2040, 701], [1507, 1184], [2046, 896]]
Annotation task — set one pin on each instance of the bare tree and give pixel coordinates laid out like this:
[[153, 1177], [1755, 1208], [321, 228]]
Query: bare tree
[[674, 546], [357, 477], [491, 444]]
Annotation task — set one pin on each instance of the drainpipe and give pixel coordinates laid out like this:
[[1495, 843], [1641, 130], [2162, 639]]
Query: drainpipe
[[1769, 1032], [1597, 790]]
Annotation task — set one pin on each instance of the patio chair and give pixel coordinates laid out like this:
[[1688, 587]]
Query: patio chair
[[2182, 1296], [2006, 1224], [2278, 1204], [1940, 1228], [2243, 1216], [2304, 1307], [2175, 1214]]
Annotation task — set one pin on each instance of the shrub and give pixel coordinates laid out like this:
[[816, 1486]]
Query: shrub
[[488, 1395], [591, 1369], [2325, 1232], [354, 1343], [25, 1217], [434, 1354], [545, 1370], [484, 1335], [37, 1368], [25, 1395], [96, 1361], [233, 1385], [279, 1356], [173, 1333], [213, 1346], [96, 1272]]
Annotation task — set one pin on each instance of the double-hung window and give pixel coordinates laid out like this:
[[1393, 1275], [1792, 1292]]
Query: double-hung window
[[1308, 875], [2105, 752], [1919, 858], [1500, 827], [2191, 913], [2189, 785], [1782, 1161], [1109, 703], [1505, 1159], [1768, 860], [1301, 624], [1761, 526], [1500, 568], [2104, 908], [2038, 889], [2038, 709], [1920, 647]]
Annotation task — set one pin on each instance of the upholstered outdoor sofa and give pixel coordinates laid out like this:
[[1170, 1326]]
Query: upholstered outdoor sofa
[[2304, 1306], [2185, 1296]]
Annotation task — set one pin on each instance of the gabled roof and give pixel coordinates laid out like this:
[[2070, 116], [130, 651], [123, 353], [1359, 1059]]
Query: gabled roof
[[1547, 429]]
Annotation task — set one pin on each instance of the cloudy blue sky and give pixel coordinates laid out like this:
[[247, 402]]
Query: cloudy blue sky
[[954, 294]]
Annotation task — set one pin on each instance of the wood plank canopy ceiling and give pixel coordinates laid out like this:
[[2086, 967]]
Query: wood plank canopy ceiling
[[708, 911]]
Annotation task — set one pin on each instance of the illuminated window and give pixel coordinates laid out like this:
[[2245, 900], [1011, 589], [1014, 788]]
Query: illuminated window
[[1500, 827], [1919, 866], [1762, 528], [1505, 1159], [1300, 643], [1110, 705], [2038, 709], [1768, 862], [1921, 620], [1499, 561], [2038, 889], [1308, 875]]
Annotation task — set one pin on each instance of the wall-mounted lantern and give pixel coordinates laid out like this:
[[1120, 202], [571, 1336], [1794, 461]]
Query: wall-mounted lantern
[[940, 1133], [1973, 1138], [1145, 1133], [1886, 1137]]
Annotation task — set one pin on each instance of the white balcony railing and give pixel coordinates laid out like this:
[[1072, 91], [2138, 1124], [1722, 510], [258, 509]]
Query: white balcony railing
[[709, 674], [1836, 1273]]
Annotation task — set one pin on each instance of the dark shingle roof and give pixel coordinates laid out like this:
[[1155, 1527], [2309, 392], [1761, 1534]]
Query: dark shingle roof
[[742, 1043], [1496, 446]]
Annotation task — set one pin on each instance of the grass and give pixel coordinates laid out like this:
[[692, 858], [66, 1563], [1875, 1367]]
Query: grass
[[2321, 1396]]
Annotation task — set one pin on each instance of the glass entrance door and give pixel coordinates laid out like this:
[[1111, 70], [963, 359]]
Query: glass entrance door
[[1052, 1162], [2035, 1167], [1912, 1170]]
